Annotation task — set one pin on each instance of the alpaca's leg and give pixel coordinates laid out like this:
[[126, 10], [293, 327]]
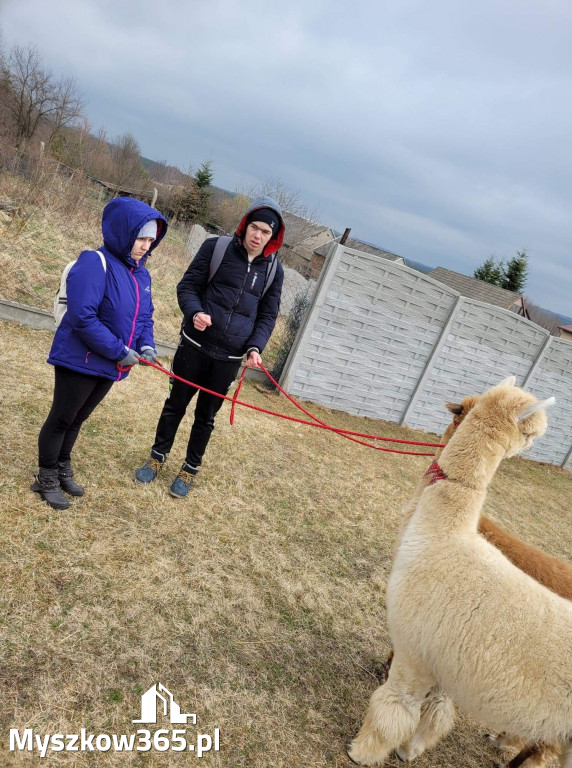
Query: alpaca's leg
[[393, 713], [534, 755], [531, 754], [566, 757], [437, 719]]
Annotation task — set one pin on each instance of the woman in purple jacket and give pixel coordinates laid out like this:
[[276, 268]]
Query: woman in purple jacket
[[107, 326]]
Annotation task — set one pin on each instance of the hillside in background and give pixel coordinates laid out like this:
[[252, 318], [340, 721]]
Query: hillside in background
[[562, 318], [169, 174], [418, 266]]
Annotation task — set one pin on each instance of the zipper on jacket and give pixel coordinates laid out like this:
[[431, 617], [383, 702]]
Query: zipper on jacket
[[137, 302], [235, 305]]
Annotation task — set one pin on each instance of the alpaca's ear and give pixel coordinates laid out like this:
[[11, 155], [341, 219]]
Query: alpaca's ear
[[508, 382], [530, 409], [456, 408]]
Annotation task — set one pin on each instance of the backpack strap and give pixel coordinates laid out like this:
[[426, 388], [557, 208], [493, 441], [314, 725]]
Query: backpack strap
[[222, 244], [270, 274], [103, 260]]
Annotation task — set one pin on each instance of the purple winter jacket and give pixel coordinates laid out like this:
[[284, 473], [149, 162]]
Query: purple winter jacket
[[112, 309]]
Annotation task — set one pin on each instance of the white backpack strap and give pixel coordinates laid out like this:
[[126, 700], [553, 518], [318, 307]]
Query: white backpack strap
[[103, 260]]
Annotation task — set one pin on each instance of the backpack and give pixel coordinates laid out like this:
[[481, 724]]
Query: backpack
[[61, 297], [218, 254]]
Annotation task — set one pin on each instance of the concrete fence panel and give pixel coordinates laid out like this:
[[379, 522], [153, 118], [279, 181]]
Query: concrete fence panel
[[369, 343], [384, 341], [484, 345], [552, 375]]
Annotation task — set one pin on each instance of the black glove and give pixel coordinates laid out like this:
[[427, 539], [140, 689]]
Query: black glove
[[129, 359], [149, 354]]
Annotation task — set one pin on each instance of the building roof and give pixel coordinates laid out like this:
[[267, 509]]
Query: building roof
[[359, 245], [472, 288], [299, 229], [567, 328]]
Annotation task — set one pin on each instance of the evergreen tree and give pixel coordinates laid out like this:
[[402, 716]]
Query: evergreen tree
[[203, 179], [490, 271], [204, 175], [193, 203], [515, 272]]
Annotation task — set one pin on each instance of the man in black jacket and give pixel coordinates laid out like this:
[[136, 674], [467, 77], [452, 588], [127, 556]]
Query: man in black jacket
[[227, 315]]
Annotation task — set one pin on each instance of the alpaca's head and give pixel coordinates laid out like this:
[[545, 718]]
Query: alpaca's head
[[514, 416], [459, 411]]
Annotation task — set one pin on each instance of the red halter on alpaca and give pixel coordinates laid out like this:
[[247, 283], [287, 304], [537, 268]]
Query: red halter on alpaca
[[435, 472]]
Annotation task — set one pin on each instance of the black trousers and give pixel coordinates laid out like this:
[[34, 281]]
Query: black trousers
[[76, 396], [217, 375]]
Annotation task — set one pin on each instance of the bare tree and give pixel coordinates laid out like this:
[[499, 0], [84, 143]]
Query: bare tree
[[230, 212], [80, 148], [127, 171], [68, 106], [288, 199], [36, 96], [6, 121], [165, 173]]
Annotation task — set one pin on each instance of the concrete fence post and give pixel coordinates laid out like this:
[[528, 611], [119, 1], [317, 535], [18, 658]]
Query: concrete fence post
[[428, 366], [541, 354]]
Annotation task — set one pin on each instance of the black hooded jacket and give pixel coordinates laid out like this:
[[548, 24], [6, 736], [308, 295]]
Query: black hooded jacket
[[241, 317]]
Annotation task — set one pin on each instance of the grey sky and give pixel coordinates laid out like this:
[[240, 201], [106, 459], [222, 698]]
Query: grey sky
[[439, 131]]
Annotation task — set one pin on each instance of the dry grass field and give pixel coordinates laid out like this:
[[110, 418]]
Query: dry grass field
[[258, 601]]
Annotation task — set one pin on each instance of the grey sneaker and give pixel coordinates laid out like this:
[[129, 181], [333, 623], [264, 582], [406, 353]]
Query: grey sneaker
[[181, 484], [149, 471]]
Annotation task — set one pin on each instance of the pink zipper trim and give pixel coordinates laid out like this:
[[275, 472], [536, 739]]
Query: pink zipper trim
[[122, 370]]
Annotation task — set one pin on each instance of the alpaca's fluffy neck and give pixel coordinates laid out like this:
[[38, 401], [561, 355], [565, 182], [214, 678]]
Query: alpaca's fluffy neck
[[473, 455], [469, 463]]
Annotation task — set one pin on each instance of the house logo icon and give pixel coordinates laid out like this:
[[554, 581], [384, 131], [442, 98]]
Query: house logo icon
[[149, 707]]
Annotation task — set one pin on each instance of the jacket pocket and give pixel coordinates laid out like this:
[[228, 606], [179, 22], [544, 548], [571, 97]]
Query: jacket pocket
[[192, 341]]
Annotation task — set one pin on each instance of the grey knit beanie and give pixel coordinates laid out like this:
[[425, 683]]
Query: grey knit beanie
[[149, 230]]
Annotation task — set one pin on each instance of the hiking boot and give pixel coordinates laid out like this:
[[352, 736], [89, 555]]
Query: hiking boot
[[181, 484], [47, 484], [67, 484], [149, 471]]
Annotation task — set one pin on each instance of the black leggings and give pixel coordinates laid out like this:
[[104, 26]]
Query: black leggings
[[216, 375], [76, 396]]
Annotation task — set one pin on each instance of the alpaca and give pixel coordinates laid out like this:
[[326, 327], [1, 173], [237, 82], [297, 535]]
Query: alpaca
[[463, 618], [554, 573]]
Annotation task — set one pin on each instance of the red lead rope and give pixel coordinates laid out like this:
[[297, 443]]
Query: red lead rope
[[315, 423]]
